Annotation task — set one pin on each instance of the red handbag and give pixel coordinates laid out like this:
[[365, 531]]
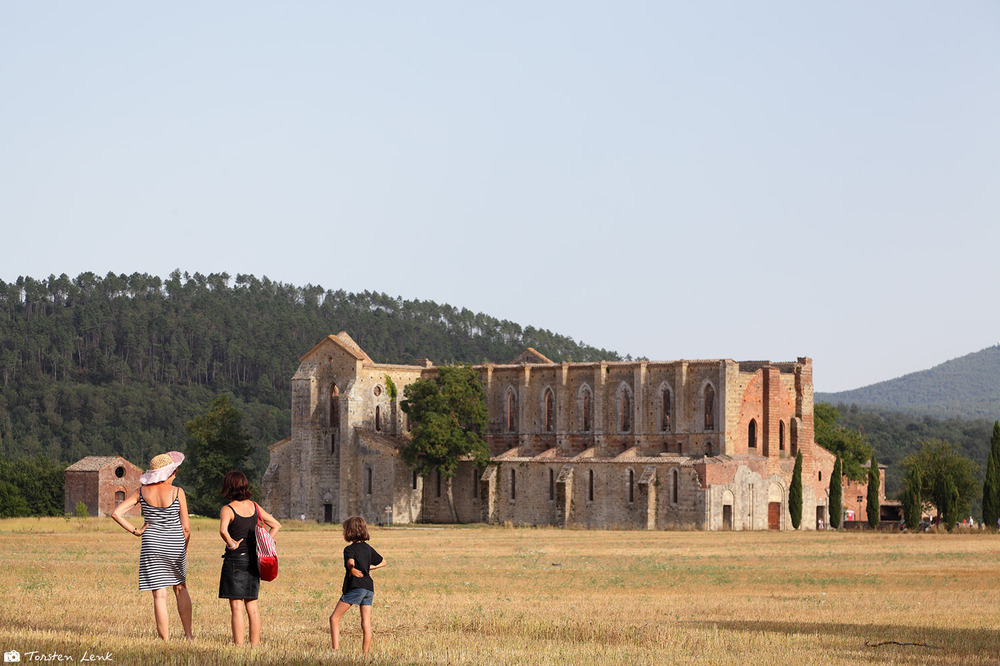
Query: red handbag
[[267, 552]]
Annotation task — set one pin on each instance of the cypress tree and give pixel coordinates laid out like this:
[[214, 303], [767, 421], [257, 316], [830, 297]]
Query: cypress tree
[[991, 487], [836, 497], [795, 493], [946, 499], [912, 502], [873, 509]]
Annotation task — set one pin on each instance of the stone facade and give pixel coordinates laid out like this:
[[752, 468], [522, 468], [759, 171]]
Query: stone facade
[[707, 444], [101, 483]]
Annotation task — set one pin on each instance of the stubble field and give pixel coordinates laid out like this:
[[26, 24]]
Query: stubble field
[[477, 594]]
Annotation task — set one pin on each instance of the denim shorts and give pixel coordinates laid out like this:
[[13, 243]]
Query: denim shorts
[[359, 596]]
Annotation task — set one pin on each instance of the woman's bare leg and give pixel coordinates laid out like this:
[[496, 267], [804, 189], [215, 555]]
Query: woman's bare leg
[[338, 613], [253, 614], [236, 608], [184, 608], [161, 613], [366, 629]]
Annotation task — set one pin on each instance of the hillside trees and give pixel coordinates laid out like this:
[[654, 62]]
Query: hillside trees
[[848, 444], [117, 364], [448, 416], [31, 486], [943, 469]]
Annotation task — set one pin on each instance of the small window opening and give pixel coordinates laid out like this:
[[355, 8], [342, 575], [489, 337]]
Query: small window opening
[[119, 472], [513, 484], [552, 485], [631, 486], [590, 487], [752, 434]]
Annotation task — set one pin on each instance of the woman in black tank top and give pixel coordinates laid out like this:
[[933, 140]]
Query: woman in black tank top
[[240, 580]]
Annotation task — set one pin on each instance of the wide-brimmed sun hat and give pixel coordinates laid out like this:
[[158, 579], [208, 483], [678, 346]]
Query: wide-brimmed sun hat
[[161, 467]]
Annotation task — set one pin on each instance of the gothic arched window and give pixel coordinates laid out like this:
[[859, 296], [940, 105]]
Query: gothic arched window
[[709, 406], [550, 410], [511, 410], [752, 434], [626, 411], [665, 410]]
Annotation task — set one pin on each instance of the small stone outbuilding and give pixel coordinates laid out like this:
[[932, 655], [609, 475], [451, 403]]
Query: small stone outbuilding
[[101, 483]]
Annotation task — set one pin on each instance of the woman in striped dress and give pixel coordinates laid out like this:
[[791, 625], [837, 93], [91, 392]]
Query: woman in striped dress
[[165, 534]]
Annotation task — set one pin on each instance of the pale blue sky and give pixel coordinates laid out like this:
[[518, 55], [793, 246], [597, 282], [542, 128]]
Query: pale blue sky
[[671, 180]]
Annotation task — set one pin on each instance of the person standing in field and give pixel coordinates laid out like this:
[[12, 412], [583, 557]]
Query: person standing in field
[[165, 535], [360, 560], [240, 579]]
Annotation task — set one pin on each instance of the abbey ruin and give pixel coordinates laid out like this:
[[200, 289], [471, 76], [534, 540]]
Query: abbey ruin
[[706, 444]]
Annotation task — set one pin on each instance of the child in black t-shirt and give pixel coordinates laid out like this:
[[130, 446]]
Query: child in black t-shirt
[[360, 560]]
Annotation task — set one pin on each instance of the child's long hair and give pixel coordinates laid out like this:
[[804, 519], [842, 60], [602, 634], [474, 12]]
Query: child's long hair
[[355, 529]]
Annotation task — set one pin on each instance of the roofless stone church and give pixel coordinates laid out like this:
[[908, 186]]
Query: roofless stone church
[[704, 444]]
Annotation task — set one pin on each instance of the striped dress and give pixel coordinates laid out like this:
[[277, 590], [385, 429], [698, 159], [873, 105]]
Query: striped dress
[[163, 558]]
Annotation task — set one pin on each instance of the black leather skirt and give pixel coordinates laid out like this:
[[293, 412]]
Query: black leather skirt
[[239, 579]]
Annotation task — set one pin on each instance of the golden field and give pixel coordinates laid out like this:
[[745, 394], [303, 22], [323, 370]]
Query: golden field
[[494, 595]]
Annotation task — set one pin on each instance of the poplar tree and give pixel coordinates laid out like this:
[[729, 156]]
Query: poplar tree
[[991, 487], [795, 493], [836, 497], [946, 499], [872, 507], [912, 502]]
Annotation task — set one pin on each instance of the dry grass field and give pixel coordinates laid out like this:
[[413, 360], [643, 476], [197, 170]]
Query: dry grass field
[[476, 594]]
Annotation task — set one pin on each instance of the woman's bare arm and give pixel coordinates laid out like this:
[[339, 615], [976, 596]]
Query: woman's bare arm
[[185, 523], [272, 523], [226, 517], [118, 515]]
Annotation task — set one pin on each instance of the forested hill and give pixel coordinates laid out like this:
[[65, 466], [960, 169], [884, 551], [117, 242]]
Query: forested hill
[[968, 386], [118, 364]]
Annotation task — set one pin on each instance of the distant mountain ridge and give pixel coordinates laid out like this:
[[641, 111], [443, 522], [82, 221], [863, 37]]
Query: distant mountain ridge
[[968, 387]]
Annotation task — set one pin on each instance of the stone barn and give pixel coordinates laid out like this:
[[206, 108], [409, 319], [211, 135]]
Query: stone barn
[[702, 444], [101, 483]]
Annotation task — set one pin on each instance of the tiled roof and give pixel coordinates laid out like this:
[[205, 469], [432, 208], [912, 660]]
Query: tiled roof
[[93, 463]]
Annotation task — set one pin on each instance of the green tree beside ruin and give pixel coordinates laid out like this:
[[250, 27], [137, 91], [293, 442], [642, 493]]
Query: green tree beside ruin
[[448, 416], [217, 443]]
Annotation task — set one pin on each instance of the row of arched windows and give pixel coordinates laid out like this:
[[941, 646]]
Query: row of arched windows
[[591, 492], [752, 435], [585, 401]]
